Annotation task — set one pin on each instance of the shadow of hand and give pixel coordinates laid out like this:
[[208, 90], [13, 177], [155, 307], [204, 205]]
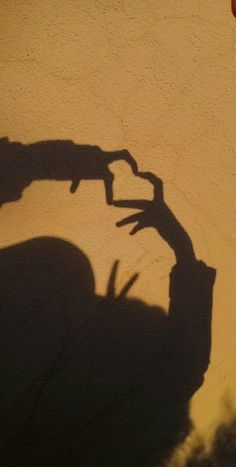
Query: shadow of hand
[[158, 215], [149, 209]]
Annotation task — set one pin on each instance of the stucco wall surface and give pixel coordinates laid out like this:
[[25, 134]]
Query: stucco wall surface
[[156, 78]]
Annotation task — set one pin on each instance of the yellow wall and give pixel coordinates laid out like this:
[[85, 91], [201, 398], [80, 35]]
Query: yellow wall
[[157, 78]]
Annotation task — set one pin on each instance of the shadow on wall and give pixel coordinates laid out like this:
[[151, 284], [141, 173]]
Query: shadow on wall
[[21, 164], [88, 380]]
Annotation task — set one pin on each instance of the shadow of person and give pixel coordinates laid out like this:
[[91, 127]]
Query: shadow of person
[[21, 164], [94, 381]]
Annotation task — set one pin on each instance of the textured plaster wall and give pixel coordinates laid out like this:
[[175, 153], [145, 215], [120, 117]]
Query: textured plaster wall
[[157, 78]]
